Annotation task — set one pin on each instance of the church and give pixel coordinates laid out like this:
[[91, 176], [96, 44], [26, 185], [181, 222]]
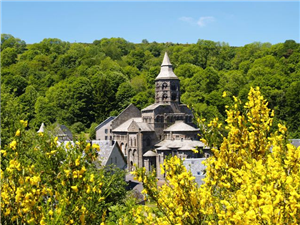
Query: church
[[146, 137]]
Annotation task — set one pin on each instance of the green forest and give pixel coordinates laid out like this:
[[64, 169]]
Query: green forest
[[81, 84]]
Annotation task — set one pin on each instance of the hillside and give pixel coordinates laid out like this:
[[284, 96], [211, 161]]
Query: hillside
[[81, 84]]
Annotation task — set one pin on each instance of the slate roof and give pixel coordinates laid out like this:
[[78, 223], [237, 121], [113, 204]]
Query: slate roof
[[180, 126], [295, 142], [154, 106], [150, 153], [138, 120], [106, 148], [179, 144], [105, 122], [63, 132], [166, 70]]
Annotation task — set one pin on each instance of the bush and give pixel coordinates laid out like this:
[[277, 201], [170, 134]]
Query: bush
[[43, 182]]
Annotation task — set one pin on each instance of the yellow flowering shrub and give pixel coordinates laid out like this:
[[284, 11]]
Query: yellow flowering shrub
[[43, 182], [253, 176], [177, 201]]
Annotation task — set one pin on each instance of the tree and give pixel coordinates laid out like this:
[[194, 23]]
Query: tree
[[28, 100], [9, 41], [16, 84], [104, 97], [11, 113], [8, 57], [124, 94]]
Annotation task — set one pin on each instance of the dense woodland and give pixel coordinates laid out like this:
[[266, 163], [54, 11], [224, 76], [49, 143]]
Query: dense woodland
[[81, 84]]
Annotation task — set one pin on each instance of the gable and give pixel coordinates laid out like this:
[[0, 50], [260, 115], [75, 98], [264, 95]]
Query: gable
[[128, 113], [133, 127]]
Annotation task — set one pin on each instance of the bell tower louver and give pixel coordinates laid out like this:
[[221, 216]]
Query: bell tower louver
[[167, 84]]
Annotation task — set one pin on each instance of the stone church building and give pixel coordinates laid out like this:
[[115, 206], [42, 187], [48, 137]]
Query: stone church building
[[164, 128]]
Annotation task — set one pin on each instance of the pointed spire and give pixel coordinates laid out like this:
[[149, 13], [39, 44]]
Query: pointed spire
[[42, 128], [166, 60], [166, 70]]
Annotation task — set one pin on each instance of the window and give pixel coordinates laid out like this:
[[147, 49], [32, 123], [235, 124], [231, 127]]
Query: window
[[106, 130], [198, 173], [105, 137], [110, 131], [164, 85], [165, 96], [110, 137]]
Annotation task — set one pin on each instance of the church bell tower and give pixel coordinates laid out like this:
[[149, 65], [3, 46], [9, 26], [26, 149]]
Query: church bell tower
[[167, 84]]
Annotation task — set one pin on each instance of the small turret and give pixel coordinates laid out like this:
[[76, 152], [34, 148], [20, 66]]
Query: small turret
[[42, 128]]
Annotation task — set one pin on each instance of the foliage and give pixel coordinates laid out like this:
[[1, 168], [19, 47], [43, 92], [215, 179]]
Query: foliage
[[10, 104], [252, 178], [177, 201], [87, 82], [45, 182]]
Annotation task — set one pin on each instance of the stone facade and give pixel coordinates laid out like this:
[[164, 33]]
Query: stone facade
[[166, 127], [104, 129]]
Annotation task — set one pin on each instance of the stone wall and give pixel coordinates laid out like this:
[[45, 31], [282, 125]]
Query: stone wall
[[130, 112]]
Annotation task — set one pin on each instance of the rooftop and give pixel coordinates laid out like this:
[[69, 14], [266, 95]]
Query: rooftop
[[166, 70], [180, 126], [139, 122], [105, 122], [179, 144]]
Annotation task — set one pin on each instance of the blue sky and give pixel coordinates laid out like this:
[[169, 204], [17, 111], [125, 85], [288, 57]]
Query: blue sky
[[237, 23]]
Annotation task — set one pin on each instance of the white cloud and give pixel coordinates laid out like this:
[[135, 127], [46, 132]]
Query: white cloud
[[187, 19], [203, 21]]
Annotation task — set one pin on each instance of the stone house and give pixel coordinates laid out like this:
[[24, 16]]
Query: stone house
[[104, 130], [110, 154], [197, 168]]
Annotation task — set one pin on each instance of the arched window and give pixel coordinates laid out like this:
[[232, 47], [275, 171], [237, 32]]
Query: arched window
[[164, 85], [165, 96], [125, 149]]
